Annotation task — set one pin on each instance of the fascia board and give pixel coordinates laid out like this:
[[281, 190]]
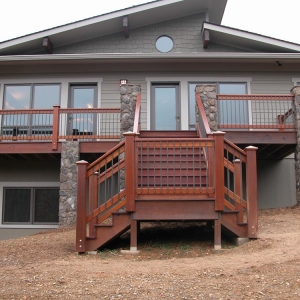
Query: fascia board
[[250, 36], [118, 56], [86, 22]]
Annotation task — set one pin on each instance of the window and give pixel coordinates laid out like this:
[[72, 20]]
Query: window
[[31, 205], [164, 44], [29, 96], [226, 106]]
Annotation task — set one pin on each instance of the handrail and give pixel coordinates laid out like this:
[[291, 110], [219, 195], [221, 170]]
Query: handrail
[[202, 116], [255, 97], [100, 191], [255, 111], [136, 124]]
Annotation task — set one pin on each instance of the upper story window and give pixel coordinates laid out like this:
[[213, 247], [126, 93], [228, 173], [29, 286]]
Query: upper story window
[[164, 44], [30, 96]]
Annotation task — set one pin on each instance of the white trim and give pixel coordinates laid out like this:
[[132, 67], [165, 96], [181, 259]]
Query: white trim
[[63, 81], [86, 22], [104, 56], [184, 92], [250, 36], [4, 184]]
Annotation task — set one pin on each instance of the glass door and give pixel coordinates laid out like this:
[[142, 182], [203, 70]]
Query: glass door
[[82, 123], [165, 112]]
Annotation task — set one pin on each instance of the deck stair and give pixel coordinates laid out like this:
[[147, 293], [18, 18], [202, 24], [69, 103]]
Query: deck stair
[[169, 175]]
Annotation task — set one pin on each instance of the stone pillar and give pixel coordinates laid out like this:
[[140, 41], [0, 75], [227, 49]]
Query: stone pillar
[[208, 94], [68, 184], [296, 108], [128, 96]]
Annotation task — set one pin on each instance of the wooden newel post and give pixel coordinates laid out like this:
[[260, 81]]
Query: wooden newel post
[[55, 127], [237, 165], [81, 206], [219, 170], [251, 180], [130, 175]]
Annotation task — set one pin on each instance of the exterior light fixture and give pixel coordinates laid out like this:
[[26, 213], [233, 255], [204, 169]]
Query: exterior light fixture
[[278, 63], [123, 81]]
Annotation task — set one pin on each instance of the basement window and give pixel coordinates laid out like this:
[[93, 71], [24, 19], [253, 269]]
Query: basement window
[[164, 44], [30, 205]]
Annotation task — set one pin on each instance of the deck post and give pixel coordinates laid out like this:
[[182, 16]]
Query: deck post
[[237, 164], [219, 170], [93, 200], [217, 234], [251, 180], [130, 175], [55, 128], [81, 206], [133, 235]]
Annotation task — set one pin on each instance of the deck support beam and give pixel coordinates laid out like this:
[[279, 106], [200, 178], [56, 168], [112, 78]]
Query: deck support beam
[[217, 234], [133, 235]]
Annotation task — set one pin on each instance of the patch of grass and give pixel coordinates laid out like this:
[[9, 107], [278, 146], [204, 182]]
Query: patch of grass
[[184, 247]]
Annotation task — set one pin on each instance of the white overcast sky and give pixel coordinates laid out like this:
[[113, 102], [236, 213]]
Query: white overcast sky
[[275, 18]]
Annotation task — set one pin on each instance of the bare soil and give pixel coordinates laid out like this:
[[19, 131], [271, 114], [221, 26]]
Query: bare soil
[[175, 262]]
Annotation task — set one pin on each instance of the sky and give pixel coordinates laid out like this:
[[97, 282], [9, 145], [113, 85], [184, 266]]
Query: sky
[[274, 18]]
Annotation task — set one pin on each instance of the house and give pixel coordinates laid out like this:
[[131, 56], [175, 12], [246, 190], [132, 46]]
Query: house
[[60, 93]]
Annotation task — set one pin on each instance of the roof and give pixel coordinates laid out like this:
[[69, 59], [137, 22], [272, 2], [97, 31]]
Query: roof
[[247, 40], [140, 15]]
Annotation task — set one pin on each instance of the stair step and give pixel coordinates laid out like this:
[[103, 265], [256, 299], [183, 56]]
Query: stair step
[[168, 134]]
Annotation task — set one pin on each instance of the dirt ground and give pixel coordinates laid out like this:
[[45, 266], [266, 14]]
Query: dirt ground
[[176, 262]]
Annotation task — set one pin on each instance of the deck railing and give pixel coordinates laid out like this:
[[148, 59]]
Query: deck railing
[[255, 112], [60, 123]]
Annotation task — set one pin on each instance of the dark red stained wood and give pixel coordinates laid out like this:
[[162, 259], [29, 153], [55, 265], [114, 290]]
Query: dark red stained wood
[[168, 134], [237, 189], [93, 200], [217, 234], [121, 223], [251, 179], [262, 137], [175, 210], [229, 222], [130, 171], [136, 123], [205, 38], [203, 116], [219, 170], [133, 235], [28, 148], [81, 207], [55, 130], [97, 146], [265, 97], [126, 26]]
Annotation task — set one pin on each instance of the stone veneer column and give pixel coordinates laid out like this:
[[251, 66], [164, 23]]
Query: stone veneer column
[[68, 184], [128, 96], [208, 94], [296, 107]]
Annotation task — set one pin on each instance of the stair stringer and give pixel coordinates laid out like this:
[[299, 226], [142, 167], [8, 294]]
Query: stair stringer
[[105, 233], [231, 227]]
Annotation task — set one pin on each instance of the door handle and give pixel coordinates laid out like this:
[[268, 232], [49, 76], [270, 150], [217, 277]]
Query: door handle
[[177, 118]]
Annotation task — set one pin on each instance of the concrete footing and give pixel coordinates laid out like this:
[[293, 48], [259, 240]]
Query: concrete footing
[[130, 252], [240, 241]]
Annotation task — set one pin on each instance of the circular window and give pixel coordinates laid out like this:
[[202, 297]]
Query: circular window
[[164, 44]]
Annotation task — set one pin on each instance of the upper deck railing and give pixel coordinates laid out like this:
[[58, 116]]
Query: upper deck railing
[[60, 124], [255, 112]]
